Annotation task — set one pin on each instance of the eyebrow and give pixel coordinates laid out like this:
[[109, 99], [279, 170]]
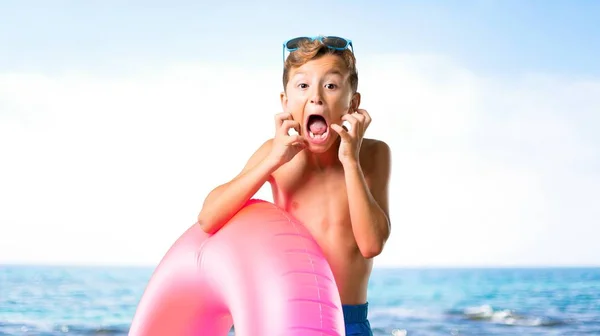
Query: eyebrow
[[330, 72], [335, 72]]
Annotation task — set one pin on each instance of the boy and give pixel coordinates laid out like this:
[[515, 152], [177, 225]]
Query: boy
[[326, 175]]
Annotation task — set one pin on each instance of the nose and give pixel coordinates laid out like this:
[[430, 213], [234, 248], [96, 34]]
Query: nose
[[315, 97]]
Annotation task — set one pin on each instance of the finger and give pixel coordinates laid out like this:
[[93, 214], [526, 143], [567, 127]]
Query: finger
[[362, 119], [353, 122], [280, 117], [368, 118], [358, 116], [296, 140], [342, 132], [286, 125]]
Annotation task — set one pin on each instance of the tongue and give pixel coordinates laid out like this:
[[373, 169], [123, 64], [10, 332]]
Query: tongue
[[317, 126]]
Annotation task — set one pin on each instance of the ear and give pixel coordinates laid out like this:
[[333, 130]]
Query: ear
[[355, 102], [284, 101]]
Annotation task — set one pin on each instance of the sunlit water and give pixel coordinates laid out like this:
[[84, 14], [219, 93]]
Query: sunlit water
[[101, 301]]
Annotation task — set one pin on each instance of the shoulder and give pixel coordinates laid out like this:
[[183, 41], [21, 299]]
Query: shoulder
[[264, 149], [376, 145], [259, 154], [266, 145], [375, 153], [376, 162]]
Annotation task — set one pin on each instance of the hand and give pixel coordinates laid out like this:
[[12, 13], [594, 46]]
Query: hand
[[286, 146], [352, 139]]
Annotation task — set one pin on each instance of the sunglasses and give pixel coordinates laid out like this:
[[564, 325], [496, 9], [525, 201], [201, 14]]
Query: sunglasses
[[333, 42]]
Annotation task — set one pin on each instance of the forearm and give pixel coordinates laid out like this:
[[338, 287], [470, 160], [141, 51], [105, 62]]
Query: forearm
[[226, 200], [370, 224]]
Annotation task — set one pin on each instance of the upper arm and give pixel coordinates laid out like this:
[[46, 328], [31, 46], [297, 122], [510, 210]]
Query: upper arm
[[379, 166]]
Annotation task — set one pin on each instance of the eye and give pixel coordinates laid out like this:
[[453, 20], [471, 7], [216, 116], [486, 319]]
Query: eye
[[331, 86], [303, 85]]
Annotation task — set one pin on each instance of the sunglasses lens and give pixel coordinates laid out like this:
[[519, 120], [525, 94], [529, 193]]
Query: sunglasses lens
[[295, 42], [335, 42]]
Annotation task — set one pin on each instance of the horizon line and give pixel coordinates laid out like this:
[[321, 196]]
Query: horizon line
[[400, 266]]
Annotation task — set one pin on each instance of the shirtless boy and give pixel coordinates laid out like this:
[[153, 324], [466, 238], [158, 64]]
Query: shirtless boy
[[327, 176]]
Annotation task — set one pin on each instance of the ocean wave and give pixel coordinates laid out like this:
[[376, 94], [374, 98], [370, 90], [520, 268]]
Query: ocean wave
[[39, 329], [404, 313], [406, 320], [505, 316]]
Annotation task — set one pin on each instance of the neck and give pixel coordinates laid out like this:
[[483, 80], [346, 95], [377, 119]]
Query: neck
[[327, 159]]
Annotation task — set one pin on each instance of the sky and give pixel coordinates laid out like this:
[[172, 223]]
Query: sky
[[116, 120]]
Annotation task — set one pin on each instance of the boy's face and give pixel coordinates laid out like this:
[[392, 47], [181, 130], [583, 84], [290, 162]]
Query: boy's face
[[318, 94]]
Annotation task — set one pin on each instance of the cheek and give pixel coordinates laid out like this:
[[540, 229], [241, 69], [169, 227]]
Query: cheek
[[342, 104], [296, 104], [296, 100]]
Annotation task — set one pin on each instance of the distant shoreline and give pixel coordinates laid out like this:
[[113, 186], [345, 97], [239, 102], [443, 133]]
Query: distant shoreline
[[376, 267]]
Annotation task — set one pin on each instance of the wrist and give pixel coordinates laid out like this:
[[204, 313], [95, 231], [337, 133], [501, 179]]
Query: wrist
[[271, 164], [351, 164]]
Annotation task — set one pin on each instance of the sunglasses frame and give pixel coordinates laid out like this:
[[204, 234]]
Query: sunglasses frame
[[321, 39]]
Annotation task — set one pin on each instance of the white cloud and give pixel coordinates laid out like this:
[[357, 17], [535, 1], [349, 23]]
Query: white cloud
[[114, 169], [486, 167]]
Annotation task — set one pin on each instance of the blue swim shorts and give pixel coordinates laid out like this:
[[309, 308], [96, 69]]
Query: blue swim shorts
[[355, 319]]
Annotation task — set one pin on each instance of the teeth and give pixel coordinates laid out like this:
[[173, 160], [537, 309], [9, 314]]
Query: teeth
[[317, 136]]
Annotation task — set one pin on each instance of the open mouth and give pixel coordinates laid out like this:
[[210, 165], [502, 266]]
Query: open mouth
[[317, 127]]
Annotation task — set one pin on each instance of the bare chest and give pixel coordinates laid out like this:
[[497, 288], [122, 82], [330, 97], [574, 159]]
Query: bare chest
[[318, 199]]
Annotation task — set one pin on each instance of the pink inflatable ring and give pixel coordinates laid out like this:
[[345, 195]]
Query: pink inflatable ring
[[262, 272]]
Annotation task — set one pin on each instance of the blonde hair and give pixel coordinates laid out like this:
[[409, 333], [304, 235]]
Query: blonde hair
[[310, 50]]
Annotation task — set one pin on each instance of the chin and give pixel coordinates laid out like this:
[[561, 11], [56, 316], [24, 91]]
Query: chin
[[320, 147], [317, 149]]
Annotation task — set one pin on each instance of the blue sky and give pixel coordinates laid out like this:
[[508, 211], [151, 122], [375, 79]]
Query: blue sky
[[110, 114], [491, 36]]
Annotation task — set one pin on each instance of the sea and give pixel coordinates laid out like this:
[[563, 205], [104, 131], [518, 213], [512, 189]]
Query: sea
[[69, 300]]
